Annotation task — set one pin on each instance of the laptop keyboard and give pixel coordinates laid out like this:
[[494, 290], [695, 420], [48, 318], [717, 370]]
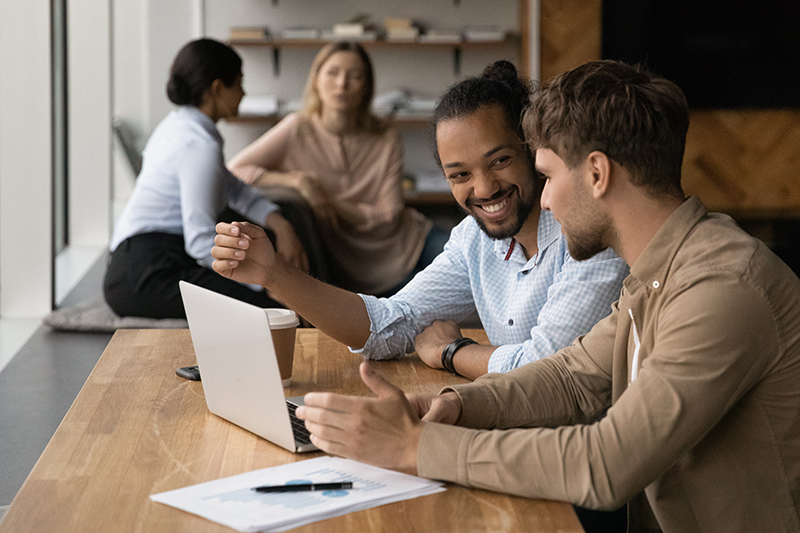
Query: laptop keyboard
[[301, 434]]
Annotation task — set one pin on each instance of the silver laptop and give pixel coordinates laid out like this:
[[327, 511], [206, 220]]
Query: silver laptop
[[239, 369]]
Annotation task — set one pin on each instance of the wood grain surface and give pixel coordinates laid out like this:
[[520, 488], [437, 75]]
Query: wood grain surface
[[137, 429]]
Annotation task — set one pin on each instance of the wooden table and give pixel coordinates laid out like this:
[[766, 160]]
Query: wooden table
[[137, 429]]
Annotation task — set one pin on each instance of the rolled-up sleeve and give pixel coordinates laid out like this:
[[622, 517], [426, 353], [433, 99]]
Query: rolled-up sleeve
[[711, 341], [440, 292]]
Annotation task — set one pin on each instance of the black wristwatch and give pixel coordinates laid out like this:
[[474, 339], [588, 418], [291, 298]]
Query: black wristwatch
[[450, 351]]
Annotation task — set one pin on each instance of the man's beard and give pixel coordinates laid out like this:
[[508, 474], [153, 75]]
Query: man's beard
[[515, 221], [586, 245], [597, 234]]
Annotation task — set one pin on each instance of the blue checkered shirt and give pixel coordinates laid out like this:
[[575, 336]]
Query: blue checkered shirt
[[530, 308]]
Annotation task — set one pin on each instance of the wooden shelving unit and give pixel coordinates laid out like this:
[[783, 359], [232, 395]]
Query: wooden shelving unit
[[277, 44], [379, 43], [436, 204], [271, 120]]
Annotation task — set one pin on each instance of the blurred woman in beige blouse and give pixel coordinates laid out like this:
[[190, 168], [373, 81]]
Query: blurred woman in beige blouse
[[348, 164]]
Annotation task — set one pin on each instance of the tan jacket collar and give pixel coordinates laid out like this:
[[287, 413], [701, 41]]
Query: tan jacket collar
[[653, 264]]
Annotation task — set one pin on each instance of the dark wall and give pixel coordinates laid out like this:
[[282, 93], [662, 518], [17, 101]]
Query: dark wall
[[724, 54]]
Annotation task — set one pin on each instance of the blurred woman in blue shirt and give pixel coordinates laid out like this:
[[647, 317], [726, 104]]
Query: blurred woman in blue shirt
[[166, 231]]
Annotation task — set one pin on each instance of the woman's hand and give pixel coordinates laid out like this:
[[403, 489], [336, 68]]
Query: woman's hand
[[243, 253], [288, 245], [307, 184]]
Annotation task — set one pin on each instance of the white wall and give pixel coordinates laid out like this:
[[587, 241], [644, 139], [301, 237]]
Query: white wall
[[25, 159], [26, 253], [147, 35], [89, 114]]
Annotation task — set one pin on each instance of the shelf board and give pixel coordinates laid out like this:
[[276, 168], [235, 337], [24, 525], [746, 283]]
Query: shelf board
[[271, 120], [380, 43], [254, 119], [277, 44]]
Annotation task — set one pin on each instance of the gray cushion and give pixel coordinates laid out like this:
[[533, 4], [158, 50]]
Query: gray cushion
[[96, 316]]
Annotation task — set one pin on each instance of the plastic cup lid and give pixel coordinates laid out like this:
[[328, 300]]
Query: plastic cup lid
[[282, 318]]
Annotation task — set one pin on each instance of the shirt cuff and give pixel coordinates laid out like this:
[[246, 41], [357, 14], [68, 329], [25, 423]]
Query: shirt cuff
[[442, 452], [259, 212], [376, 346], [476, 404], [504, 358]]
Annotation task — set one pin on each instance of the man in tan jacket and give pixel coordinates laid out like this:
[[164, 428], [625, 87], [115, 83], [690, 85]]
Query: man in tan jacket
[[697, 369]]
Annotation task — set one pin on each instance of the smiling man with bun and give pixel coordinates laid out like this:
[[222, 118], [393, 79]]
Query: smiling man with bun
[[508, 260]]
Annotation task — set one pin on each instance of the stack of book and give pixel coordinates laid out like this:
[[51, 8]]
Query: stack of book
[[300, 32], [403, 103], [354, 31], [484, 34], [398, 29], [258, 105], [249, 33], [441, 36]]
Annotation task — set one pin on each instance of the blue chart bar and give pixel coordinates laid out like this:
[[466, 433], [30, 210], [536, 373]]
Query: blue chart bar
[[331, 475]]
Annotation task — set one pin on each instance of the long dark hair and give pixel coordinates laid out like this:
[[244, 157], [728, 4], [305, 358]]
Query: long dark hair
[[195, 68], [499, 84]]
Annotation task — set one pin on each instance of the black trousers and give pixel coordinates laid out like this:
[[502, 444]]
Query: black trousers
[[143, 273]]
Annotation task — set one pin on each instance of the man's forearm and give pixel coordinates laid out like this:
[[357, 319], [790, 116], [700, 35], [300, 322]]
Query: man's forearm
[[337, 312], [472, 361]]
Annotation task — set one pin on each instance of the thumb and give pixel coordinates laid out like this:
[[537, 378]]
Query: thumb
[[249, 230], [436, 413], [376, 383]]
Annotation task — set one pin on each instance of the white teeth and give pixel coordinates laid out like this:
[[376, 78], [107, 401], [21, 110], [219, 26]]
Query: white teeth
[[495, 207]]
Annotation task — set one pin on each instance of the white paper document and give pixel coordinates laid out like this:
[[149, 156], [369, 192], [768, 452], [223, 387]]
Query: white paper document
[[233, 502]]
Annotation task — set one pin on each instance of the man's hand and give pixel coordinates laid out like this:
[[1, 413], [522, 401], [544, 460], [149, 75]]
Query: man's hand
[[243, 253], [434, 339], [444, 408], [288, 245], [382, 431]]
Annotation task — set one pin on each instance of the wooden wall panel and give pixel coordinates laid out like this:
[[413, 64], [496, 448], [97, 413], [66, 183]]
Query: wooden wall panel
[[746, 163], [570, 34]]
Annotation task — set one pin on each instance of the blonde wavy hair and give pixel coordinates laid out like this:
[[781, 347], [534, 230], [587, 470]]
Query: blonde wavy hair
[[312, 105]]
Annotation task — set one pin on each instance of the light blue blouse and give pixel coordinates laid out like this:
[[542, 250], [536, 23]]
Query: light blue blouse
[[184, 186]]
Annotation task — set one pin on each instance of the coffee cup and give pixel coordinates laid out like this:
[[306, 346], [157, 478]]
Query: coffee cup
[[283, 325]]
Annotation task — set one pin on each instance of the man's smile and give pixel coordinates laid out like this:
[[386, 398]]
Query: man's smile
[[495, 208], [491, 208]]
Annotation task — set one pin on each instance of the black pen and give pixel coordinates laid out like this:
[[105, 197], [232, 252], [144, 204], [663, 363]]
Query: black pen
[[301, 487]]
